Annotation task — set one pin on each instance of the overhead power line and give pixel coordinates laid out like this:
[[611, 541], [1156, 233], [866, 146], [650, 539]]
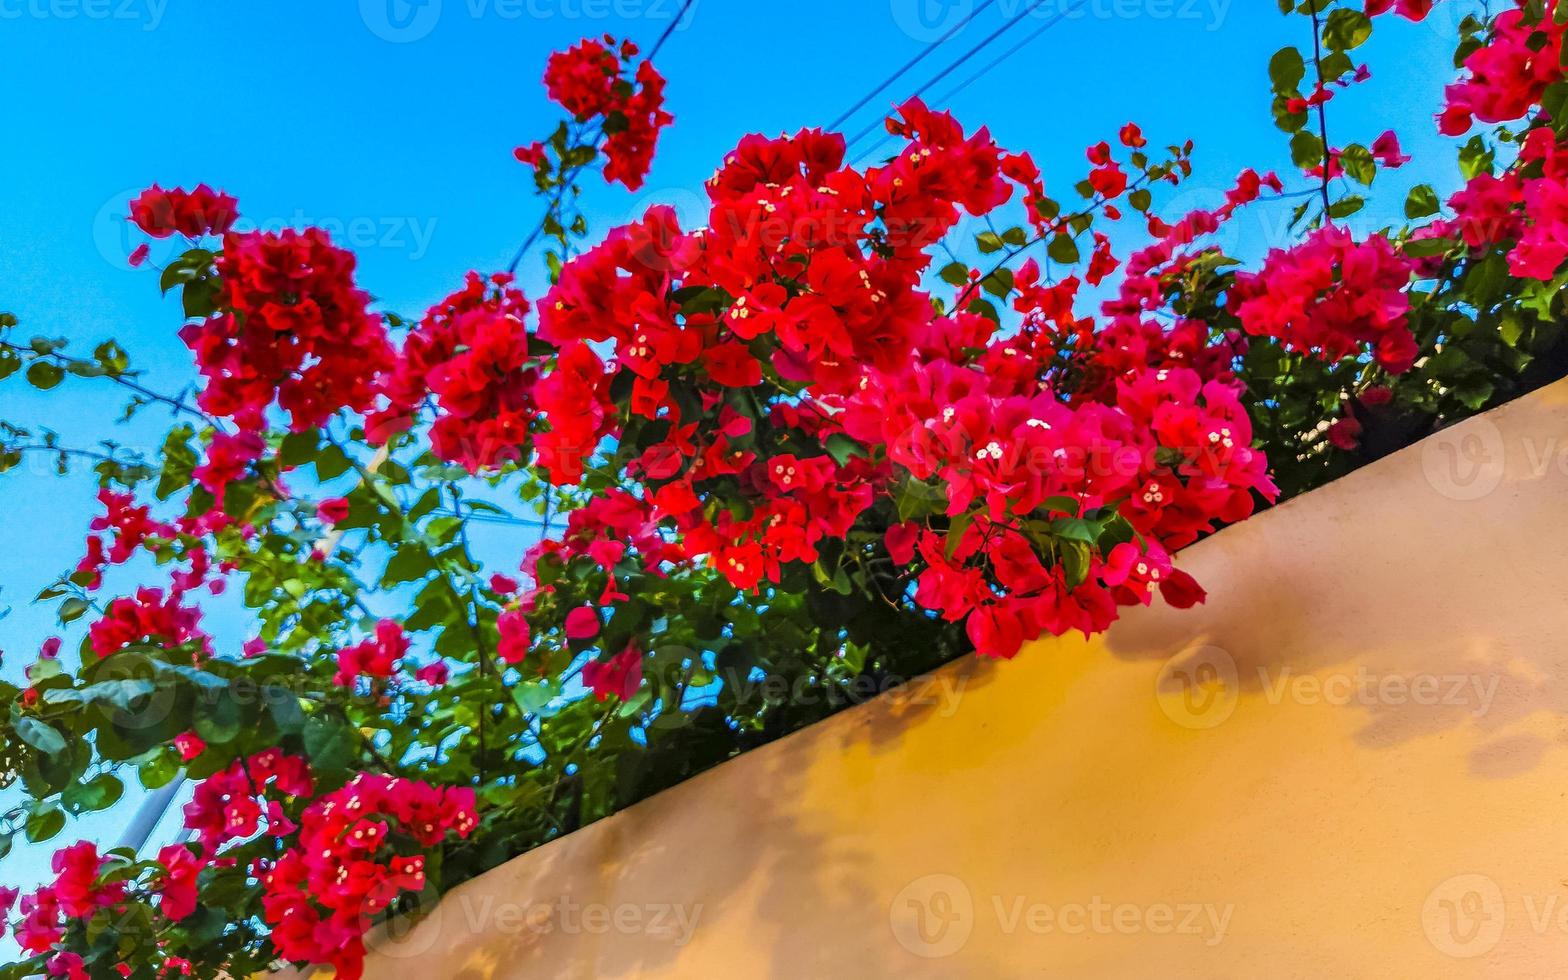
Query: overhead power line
[[1009, 25], [946, 97], [835, 124]]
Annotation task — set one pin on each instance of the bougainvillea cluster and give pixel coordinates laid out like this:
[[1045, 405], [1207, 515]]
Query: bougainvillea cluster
[[1332, 295], [470, 355], [291, 327], [595, 81], [359, 848], [234, 804], [194, 213], [1507, 76]]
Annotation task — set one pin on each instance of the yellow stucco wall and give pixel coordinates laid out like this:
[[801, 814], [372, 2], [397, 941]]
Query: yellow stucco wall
[[1353, 762]]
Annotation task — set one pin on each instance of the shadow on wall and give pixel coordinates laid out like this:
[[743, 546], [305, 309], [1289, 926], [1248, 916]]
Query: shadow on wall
[[1336, 611]]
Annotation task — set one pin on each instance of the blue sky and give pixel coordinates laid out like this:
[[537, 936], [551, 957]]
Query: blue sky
[[391, 123]]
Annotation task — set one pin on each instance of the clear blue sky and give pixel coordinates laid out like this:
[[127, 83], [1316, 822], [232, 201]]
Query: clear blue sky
[[392, 123]]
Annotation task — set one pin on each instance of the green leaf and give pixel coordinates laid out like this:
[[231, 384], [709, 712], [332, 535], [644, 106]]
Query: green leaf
[[1286, 70], [99, 793], [158, 771], [998, 283], [1346, 29], [329, 743], [40, 735], [1474, 391], [955, 531], [1346, 206], [1475, 158], [1511, 328], [989, 241], [219, 720], [1358, 163], [72, 609], [411, 563], [1067, 505], [534, 697], [1306, 150], [116, 693], [1421, 202], [955, 274], [1075, 563], [1422, 248], [284, 707], [46, 820], [299, 448], [985, 308], [1063, 249], [43, 375], [842, 448], [179, 462], [331, 462]]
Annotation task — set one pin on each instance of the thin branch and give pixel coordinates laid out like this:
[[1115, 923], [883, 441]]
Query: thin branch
[[1317, 60]]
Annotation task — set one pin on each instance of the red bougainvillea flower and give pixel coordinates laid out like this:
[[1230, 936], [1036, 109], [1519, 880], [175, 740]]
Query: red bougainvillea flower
[[1386, 150], [470, 355], [375, 658], [1409, 9], [196, 213], [1345, 433], [1507, 75], [1181, 590], [292, 327], [76, 888], [592, 80], [148, 617], [230, 805], [320, 896], [178, 885], [333, 510], [41, 926], [582, 623], [620, 677], [530, 154], [189, 745], [68, 965], [513, 648]]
